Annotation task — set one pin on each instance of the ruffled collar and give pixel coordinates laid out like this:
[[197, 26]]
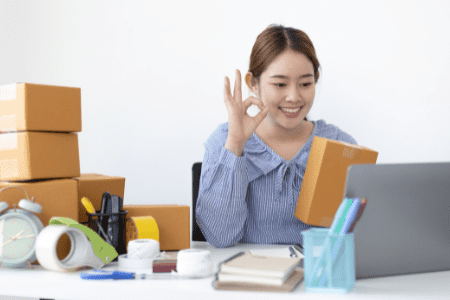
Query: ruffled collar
[[261, 160]]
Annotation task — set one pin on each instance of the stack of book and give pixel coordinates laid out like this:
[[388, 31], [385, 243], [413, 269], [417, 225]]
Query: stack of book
[[249, 272]]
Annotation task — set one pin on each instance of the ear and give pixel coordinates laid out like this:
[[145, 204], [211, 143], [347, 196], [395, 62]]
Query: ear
[[251, 83]]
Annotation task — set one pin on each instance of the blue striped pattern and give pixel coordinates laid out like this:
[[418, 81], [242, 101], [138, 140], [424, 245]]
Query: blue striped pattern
[[252, 198]]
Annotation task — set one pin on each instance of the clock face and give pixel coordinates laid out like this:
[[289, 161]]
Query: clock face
[[17, 239]]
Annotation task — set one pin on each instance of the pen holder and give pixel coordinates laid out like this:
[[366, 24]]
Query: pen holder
[[111, 227], [329, 262]]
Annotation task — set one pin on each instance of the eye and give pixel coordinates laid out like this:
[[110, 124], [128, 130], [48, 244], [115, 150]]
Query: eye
[[280, 84], [306, 84]]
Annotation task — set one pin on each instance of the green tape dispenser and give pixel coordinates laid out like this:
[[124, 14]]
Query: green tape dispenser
[[87, 248]]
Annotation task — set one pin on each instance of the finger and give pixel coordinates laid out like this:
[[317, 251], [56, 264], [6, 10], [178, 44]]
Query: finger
[[252, 100], [237, 87], [261, 115], [226, 88]]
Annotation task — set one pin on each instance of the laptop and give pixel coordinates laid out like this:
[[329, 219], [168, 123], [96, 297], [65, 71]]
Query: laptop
[[405, 226]]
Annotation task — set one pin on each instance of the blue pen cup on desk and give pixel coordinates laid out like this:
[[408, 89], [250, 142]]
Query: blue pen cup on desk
[[329, 261]]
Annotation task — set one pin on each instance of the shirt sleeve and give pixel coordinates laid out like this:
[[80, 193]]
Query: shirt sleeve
[[221, 209]]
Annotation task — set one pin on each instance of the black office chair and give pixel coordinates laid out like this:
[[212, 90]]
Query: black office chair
[[197, 234]]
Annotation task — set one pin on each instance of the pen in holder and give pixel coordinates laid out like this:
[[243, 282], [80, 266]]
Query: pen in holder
[[329, 261], [113, 231]]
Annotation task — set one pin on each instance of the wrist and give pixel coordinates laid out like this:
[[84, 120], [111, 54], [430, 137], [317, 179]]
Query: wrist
[[237, 148]]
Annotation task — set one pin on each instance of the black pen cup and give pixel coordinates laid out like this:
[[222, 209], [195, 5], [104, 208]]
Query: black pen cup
[[110, 227]]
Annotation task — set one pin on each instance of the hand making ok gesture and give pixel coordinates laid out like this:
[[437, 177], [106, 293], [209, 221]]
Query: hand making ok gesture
[[241, 126]]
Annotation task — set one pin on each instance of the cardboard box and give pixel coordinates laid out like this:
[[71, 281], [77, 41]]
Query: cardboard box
[[38, 107], [173, 223], [58, 197], [323, 184], [38, 155], [92, 186]]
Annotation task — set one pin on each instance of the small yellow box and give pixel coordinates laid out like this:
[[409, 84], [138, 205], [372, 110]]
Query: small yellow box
[[39, 107], [323, 185]]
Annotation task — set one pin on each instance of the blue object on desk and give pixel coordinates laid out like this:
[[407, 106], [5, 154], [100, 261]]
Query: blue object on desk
[[335, 228], [339, 217], [101, 275], [349, 220], [318, 246], [351, 215], [324, 266]]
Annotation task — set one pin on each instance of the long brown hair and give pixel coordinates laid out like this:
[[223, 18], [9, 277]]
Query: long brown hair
[[273, 41]]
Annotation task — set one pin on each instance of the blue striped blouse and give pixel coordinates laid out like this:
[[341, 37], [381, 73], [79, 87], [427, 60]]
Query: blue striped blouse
[[252, 198]]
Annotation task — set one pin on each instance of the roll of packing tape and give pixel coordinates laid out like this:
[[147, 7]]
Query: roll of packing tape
[[194, 263], [81, 252], [142, 228], [143, 249]]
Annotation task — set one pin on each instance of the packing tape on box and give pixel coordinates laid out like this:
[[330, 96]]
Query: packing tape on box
[[194, 263], [8, 91]]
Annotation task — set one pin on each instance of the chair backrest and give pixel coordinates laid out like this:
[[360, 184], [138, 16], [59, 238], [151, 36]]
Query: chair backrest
[[197, 235]]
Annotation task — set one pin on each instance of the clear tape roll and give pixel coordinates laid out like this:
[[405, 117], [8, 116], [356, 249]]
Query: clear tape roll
[[194, 263], [143, 249]]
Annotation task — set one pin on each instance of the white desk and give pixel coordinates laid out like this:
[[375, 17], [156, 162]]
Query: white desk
[[41, 283]]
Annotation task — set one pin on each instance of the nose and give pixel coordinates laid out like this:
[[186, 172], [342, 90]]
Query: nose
[[294, 94]]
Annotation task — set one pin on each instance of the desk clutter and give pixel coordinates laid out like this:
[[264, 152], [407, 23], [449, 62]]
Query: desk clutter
[[248, 272], [329, 253], [82, 218]]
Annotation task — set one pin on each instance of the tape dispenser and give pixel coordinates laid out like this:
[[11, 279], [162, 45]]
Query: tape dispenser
[[87, 248]]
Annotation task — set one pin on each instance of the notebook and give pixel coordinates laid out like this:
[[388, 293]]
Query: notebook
[[405, 227], [259, 265], [248, 272], [287, 286]]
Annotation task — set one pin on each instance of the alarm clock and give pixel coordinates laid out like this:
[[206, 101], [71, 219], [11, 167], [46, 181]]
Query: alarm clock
[[19, 229]]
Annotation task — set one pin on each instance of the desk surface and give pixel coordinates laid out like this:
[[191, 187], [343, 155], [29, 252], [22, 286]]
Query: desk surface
[[41, 283]]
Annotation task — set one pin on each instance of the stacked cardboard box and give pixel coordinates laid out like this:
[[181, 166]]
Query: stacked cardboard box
[[38, 125], [39, 152]]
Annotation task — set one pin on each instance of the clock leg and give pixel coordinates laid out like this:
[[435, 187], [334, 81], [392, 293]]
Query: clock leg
[[31, 266]]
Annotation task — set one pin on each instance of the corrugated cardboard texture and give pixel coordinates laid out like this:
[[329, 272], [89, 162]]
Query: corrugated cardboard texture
[[38, 155], [173, 223], [323, 185], [58, 198], [92, 186], [37, 107]]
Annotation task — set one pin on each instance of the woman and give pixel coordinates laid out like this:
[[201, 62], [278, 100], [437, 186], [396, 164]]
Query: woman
[[253, 166]]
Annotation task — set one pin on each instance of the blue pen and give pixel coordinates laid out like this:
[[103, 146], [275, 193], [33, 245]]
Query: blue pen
[[349, 220], [118, 275], [335, 228]]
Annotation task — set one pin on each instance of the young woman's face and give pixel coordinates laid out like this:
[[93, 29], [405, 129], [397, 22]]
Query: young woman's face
[[287, 86]]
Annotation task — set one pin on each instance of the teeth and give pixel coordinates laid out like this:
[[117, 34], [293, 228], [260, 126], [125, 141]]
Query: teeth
[[290, 110]]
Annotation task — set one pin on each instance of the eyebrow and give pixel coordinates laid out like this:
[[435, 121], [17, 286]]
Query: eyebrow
[[285, 77]]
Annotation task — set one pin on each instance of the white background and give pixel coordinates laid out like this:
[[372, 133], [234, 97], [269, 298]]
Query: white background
[[151, 76]]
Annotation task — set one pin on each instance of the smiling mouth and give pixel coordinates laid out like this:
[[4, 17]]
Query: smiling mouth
[[291, 110]]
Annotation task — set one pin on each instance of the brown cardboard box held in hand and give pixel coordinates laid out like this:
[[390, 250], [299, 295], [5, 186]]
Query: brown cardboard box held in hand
[[323, 185]]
